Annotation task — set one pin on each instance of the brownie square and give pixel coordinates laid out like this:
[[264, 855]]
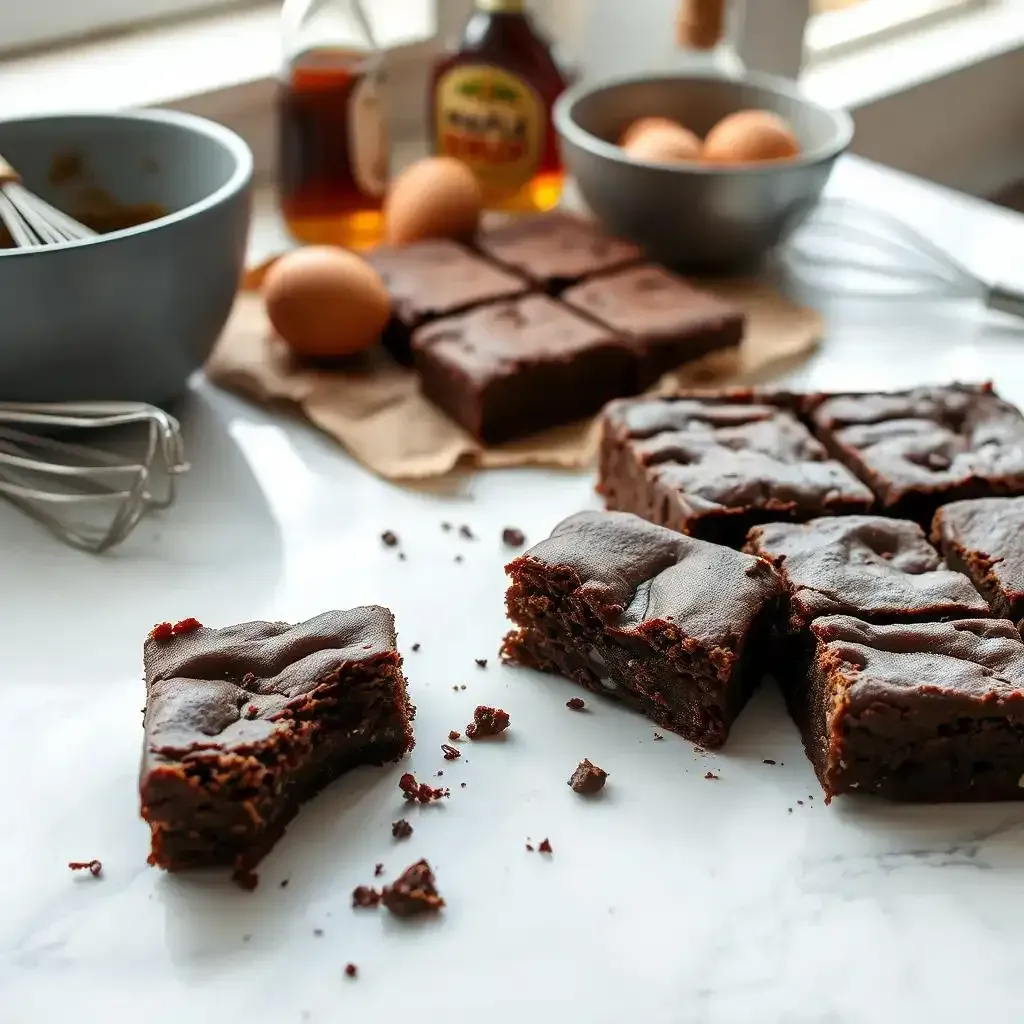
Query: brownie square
[[880, 570], [510, 369], [923, 448], [673, 627], [923, 711], [984, 538], [556, 250], [668, 320], [245, 723], [713, 467], [432, 279]]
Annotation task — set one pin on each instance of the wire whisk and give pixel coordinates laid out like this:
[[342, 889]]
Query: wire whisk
[[851, 248], [31, 221], [90, 496]]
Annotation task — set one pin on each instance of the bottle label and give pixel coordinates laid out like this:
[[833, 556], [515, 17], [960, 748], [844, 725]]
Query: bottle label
[[492, 121], [368, 137]]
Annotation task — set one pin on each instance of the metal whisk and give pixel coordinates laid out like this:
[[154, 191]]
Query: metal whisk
[[91, 497], [851, 248], [31, 221]]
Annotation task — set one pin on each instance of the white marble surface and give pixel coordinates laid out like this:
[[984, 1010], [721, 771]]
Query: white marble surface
[[672, 899]]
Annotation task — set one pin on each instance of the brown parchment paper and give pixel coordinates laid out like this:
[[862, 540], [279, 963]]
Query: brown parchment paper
[[375, 410]]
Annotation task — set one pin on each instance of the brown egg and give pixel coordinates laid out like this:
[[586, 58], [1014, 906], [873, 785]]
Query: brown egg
[[646, 124], [325, 301], [438, 197], [750, 136], [663, 143]]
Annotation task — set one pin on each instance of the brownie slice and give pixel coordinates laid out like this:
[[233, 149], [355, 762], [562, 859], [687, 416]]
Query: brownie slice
[[509, 369], [924, 711], [880, 570], [245, 723], [432, 279], [714, 467], [984, 538], [668, 320], [923, 448], [556, 250], [671, 626]]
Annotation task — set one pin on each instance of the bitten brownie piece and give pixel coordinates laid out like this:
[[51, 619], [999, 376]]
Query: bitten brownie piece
[[671, 626], [715, 467], [513, 368], [928, 711], [984, 538], [923, 448], [880, 570], [432, 279], [243, 724], [556, 250], [668, 320]]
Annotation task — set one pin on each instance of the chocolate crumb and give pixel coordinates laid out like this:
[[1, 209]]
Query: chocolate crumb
[[245, 879], [284, 883], [447, 527], [545, 846], [351, 970], [767, 760], [487, 721], [529, 847], [790, 809], [588, 778], [482, 662], [576, 703], [513, 537], [810, 796], [710, 775], [378, 870], [94, 867], [454, 735], [419, 791], [658, 736], [462, 785], [389, 538], [318, 932], [462, 686], [364, 896], [458, 558], [415, 647], [413, 892], [439, 773], [401, 556], [401, 829], [466, 533], [450, 753], [800, 802]]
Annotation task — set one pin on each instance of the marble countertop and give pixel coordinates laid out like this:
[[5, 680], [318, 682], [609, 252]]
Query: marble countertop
[[672, 899]]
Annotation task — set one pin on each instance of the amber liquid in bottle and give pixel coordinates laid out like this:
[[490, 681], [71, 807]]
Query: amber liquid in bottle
[[491, 108], [332, 151]]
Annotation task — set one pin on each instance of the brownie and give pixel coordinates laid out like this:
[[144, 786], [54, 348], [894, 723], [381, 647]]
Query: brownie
[[880, 570], [556, 250], [984, 538], [924, 711], [715, 467], [920, 449], [512, 368], [673, 627], [668, 320], [432, 279], [245, 723]]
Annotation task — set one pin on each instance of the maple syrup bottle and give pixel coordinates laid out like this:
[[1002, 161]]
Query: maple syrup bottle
[[332, 128], [491, 108]]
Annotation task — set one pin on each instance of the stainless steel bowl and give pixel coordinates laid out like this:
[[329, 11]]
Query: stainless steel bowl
[[697, 216], [131, 314]]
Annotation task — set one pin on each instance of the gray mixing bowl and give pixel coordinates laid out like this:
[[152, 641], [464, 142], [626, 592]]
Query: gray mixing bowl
[[694, 216], [131, 314]]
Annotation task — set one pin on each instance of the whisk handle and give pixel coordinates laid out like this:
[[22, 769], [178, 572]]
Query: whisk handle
[[8, 175], [1005, 299]]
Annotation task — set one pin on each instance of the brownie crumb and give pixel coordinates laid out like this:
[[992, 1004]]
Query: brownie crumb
[[462, 686], [414, 892], [450, 753], [439, 773], [487, 722], [454, 735], [767, 760], [245, 879], [466, 533], [458, 558], [529, 847], [462, 785], [513, 537], [318, 933], [481, 662], [415, 647], [419, 791], [447, 527], [588, 778], [284, 883], [710, 775], [800, 802], [94, 867], [401, 556], [364, 896], [576, 703], [389, 538], [378, 870], [545, 846], [658, 736], [351, 970]]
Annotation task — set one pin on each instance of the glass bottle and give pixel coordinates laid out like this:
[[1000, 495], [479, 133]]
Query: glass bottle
[[491, 106], [332, 127]]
